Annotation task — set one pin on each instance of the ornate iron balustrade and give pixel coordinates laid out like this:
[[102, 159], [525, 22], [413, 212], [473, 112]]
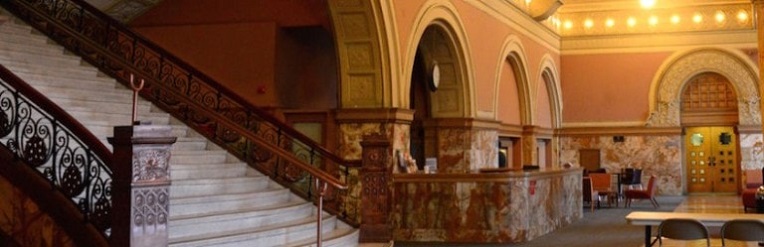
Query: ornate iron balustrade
[[50, 141], [267, 144]]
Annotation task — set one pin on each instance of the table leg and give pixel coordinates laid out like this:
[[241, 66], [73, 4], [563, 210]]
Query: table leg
[[648, 233]]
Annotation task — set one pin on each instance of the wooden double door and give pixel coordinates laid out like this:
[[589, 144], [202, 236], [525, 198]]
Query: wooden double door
[[712, 159]]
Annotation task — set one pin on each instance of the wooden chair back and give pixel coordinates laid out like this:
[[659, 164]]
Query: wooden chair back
[[601, 181]]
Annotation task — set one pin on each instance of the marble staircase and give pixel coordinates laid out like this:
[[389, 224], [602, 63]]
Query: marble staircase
[[216, 200]]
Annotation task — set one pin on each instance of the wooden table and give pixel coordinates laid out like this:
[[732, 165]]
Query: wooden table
[[649, 219]]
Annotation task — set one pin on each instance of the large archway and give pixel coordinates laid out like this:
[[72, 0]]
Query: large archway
[[666, 94], [666, 90]]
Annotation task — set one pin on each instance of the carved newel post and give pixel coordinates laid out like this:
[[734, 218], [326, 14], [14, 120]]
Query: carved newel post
[[141, 185], [375, 193]]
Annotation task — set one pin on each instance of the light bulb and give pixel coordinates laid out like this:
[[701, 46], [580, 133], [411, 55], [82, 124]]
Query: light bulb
[[675, 19], [647, 3], [631, 22]]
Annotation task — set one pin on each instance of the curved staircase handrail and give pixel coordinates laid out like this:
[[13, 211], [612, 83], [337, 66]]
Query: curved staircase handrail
[[58, 147], [189, 95]]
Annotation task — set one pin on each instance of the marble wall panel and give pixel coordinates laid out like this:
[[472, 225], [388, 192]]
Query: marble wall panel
[[510, 210], [453, 150], [465, 150], [484, 152], [657, 155], [751, 151]]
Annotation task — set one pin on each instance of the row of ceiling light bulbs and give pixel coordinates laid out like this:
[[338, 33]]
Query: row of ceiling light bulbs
[[631, 21]]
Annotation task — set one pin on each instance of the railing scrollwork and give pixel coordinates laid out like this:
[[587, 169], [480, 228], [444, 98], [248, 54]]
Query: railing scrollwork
[[57, 147]]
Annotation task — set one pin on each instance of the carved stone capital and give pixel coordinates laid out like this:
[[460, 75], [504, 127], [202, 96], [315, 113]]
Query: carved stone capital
[[151, 164]]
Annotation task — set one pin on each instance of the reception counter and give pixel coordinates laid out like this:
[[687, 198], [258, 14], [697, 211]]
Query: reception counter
[[480, 207]]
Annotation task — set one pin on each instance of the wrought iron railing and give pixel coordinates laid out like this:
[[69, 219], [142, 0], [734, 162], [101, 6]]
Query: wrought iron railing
[[50, 141], [272, 147]]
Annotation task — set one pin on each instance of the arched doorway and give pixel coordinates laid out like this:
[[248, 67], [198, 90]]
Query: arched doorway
[[420, 103], [435, 72], [709, 114]]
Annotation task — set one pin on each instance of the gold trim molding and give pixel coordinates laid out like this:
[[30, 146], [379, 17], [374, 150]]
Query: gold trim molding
[[375, 115], [622, 130]]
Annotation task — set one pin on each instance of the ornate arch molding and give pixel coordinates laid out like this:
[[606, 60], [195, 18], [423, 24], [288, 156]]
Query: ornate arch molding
[[363, 68], [513, 52], [666, 89], [454, 97], [549, 75]]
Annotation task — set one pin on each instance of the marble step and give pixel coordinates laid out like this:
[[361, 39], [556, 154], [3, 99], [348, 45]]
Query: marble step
[[183, 171], [76, 72], [82, 105], [199, 157], [190, 143], [34, 50], [123, 118], [216, 186], [280, 233], [102, 92], [186, 207], [117, 104], [9, 25], [19, 37], [74, 78], [11, 57], [221, 221], [107, 129], [341, 236]]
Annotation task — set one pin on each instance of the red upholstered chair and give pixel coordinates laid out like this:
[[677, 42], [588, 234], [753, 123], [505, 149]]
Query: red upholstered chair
[[648, 193], [752, 182]]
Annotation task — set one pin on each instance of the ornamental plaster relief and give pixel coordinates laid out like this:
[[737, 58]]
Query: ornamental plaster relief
[[666, 110]]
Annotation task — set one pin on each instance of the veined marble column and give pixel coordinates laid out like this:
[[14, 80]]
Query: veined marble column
[[758, 8], [530, 141], [462, 145], [357, 122]]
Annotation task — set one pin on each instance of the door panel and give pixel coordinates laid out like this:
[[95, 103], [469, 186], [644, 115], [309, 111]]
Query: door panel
[[711, 156]]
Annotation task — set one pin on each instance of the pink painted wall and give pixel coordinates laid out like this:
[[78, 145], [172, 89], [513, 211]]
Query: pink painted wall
[[485, 46], [282, 12], [273, 53], [242, 70], [608, 87], [543, 108], [509, 103]]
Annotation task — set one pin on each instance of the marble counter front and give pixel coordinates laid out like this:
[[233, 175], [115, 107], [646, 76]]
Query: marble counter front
[[505, 207]]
